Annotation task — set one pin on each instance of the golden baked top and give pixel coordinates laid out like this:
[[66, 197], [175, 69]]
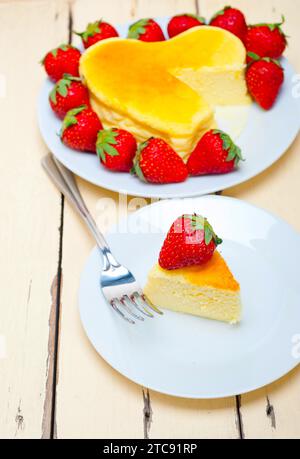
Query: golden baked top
[[215, 273], [138, 78]]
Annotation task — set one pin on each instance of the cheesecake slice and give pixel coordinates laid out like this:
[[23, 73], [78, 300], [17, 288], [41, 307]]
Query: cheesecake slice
[[166, 89], [208, 290]]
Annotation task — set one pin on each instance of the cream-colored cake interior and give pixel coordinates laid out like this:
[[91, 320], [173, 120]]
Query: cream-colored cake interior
[[174, 291]]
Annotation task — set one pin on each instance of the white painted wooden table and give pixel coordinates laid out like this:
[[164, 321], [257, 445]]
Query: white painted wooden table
[[52, 382]]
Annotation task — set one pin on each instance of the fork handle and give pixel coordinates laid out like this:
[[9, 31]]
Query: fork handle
[[65, 182]]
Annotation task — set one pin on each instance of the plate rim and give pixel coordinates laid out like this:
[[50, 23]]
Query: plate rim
[[245, 390], [149, 191]]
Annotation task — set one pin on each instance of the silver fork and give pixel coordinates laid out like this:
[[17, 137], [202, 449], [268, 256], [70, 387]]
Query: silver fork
[[118, 284]]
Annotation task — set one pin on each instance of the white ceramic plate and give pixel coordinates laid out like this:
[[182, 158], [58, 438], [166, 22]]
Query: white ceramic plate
[[266, 137], [188, 356]]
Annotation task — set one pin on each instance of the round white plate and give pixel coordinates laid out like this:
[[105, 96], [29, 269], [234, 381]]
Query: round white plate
[[187, 356], [266, 137]]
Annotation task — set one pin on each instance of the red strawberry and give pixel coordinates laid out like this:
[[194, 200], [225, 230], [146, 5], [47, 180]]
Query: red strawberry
[[215, 153], [266, 40], [231, 19], [190, 241], [61, 60], [68, 93], [146, 30], [116, 149], [156, 162], [264, 79], [80, 129], [182, 22], [97, 31]]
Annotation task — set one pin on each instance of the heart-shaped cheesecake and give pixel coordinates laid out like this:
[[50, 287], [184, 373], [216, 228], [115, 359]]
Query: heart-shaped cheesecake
[[166, 89]]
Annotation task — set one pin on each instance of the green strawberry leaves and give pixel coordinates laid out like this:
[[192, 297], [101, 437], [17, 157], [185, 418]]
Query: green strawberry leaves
[[70, 118], [138, 28], [136, 169], [62, 87], [92, 29], [221, 12], [234, 152], [201, 224], [255, 58], [272, 27], [61, 47], [194, 16], [105, 141], [54, 51]]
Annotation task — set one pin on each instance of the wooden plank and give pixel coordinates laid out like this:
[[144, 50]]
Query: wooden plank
[[272, 412], [29, 237], [93, 400], [191, 419], [181, 418]]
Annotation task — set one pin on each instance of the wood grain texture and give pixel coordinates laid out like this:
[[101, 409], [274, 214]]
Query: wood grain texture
[[272, 412], [112, 406], [29, 235], [92, 400]]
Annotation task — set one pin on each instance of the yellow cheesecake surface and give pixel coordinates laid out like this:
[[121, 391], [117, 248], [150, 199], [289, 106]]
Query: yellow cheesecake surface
[[209, 290], [166, 89]]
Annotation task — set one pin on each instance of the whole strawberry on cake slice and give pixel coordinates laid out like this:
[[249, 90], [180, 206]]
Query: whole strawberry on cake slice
[[191, 276]]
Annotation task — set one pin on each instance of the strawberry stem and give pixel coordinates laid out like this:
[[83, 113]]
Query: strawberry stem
[[138, 28], [255, 57], [136, 169], [194, 16], [234, 152], [92, 29], [221, 12], [201, 223], [70, 118], [106, 138], [272, 26]]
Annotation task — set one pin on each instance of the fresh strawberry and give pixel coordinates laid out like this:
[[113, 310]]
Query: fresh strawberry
[[116, 149], [266, 40], [146, 30], [190, 241], [264, 77], [68, 93], [156, 162], [97, 31], [215, 153], [182, 22], [80, 129], [61, 60], [231, 19]]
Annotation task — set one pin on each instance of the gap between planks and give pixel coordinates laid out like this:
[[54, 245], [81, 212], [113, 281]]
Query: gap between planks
[[49, 415], [49, 420]]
